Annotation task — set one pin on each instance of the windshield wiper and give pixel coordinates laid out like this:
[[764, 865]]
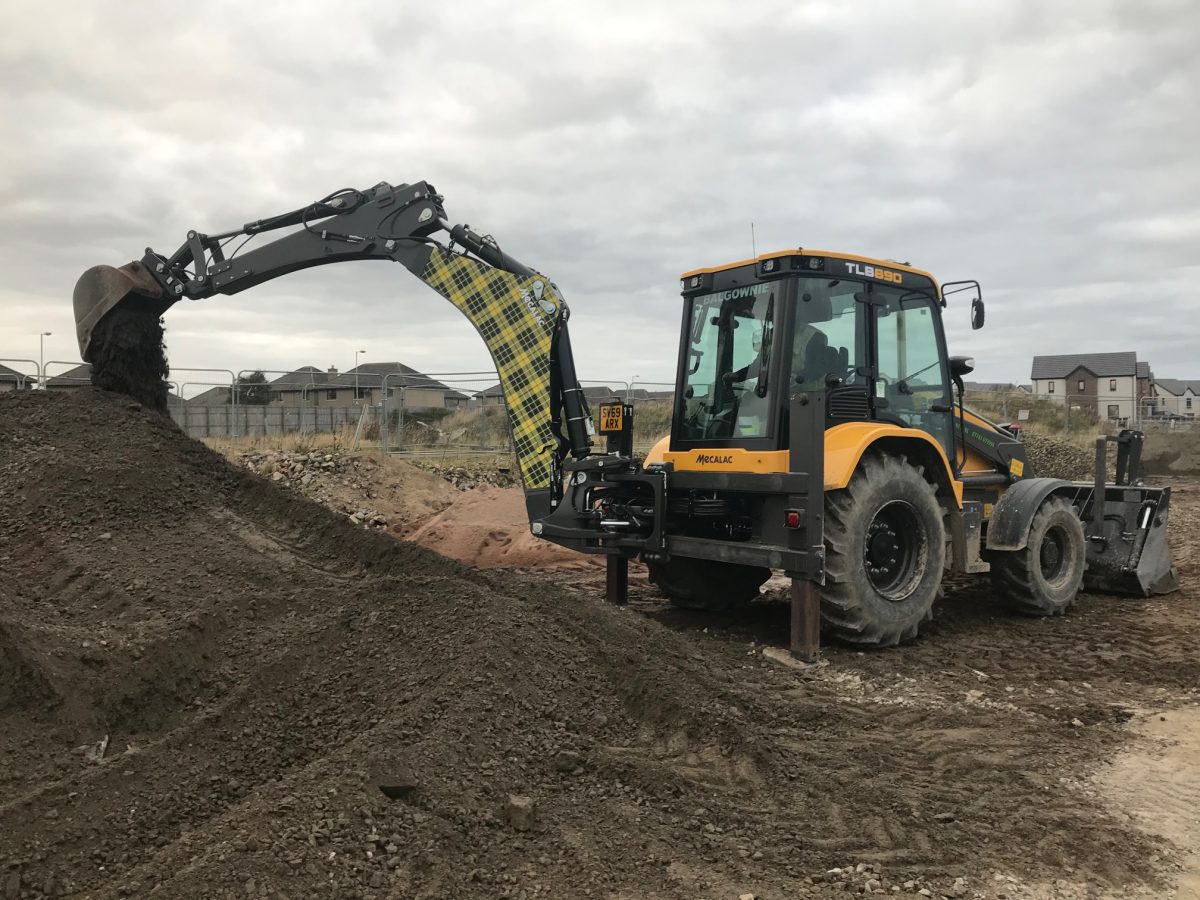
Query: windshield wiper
[[904, 381]]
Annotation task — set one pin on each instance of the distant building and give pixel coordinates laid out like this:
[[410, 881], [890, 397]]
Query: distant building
[[366, 383], [1113, 385], [12, 380], [307, 386], [1177, 396], [214, 396], [72, 379]]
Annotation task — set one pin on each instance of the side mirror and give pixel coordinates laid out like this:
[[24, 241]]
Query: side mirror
[[977, 313]]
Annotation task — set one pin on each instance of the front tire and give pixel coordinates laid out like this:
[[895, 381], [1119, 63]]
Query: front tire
[[1044, 578], [885, 547], [707, 584]]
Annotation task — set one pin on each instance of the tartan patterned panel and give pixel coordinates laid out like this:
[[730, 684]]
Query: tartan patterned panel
[[516, 317]]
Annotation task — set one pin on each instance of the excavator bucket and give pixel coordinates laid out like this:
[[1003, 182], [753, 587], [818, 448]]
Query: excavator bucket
[[101, 288]]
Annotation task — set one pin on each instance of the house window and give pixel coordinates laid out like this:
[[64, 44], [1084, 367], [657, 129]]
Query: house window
[[362, 393], [1081, 385], [1112, 384], [1187, 404], [391, 393], [1051, 388], [331, 395], [1114, 411]]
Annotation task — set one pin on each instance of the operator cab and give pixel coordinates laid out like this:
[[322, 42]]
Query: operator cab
[[867, 332]]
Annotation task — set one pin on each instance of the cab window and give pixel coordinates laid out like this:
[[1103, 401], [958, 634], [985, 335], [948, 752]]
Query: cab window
[[912, 373]]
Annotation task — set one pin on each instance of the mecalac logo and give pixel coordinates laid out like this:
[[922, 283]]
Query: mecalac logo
[[874, 272], [710, 460]]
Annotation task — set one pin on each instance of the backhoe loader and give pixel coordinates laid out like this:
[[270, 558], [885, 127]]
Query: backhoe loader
[[818, 426]]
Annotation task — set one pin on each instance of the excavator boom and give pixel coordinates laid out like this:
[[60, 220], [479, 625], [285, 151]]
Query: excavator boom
[[517, 311]]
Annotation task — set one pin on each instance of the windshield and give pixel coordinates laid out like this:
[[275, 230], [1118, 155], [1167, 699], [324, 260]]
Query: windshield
[[730, 337]]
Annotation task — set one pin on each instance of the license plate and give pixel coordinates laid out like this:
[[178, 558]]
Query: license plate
[[612, 418]]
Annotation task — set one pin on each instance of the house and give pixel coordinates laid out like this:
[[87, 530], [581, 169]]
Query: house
[[1179, 397], [1112, 385], [80, 376], [214, 396], [365, 385], [306, 386], [12, 380], [493, 396]]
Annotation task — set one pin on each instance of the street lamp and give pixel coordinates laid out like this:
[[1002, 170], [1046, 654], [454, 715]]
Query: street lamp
[[42, 356], [357, 353]]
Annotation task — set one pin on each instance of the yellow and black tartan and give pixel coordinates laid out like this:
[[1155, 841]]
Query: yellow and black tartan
[[516, 316]]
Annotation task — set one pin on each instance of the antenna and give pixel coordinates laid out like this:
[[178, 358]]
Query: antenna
[[753, 248]]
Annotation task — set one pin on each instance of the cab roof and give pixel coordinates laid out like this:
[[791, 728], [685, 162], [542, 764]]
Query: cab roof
[[828, 254]]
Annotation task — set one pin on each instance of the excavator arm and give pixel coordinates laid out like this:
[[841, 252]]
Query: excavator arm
[[517, 311]]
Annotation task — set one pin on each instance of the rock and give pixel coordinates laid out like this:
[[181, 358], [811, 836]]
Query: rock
[[944, 817], [520, 812], [747, 897], [1077, 723], [107, 536], [277, 476], [567, 760]]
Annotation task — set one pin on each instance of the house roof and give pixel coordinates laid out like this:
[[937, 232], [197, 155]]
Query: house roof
[[80, 375], [7, 375], [302, 378], [214, 396], [1099, 364], [371, 375], [1178, 386], [494, 391]]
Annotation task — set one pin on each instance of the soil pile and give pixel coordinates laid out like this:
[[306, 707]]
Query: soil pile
[[212, 687], [1053, 458], [381, 493]]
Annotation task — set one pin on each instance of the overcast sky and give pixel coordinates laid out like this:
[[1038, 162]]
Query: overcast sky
[[1049, 149]]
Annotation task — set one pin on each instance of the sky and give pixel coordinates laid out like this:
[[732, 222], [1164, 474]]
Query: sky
[[1050, 150]]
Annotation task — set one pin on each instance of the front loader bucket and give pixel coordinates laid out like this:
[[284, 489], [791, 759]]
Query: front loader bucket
[[101, 288], [1127, 542]]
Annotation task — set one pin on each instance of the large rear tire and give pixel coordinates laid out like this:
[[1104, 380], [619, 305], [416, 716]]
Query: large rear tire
[[707, 584], [885, 546], [1044, 578]]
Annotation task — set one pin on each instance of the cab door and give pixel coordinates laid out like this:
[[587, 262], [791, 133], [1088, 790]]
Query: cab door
[[912, 378]]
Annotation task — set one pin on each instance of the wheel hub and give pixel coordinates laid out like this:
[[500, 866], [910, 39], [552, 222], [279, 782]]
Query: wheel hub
[[891, 549]]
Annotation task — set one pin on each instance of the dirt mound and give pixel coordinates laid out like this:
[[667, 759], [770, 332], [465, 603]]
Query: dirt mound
[[373, 491], [1172, 453], [212, 687], [489, 527], [1054, 458]]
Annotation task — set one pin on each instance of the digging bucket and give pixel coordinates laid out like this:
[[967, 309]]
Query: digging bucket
[[101, 288]]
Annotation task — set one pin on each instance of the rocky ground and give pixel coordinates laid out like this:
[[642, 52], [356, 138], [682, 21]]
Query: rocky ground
[[214, 687]]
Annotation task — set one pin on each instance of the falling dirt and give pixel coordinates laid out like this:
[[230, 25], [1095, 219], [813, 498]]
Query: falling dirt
[[127, 352], [213, 687]]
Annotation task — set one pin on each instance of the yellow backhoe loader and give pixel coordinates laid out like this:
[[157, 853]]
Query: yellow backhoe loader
[[818, 424]]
